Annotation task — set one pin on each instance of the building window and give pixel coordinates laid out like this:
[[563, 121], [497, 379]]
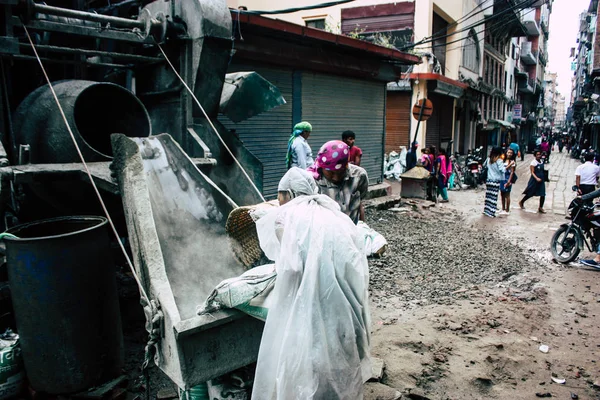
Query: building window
[[471, 56], [511, 83], [316, 23]]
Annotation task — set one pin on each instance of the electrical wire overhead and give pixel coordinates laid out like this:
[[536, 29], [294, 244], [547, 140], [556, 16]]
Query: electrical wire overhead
[[295, 9], [521, 6]]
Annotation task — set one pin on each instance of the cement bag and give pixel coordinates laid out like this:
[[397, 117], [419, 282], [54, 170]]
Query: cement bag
[[12, 372], [248, 292], [315, 343], [374, 241]]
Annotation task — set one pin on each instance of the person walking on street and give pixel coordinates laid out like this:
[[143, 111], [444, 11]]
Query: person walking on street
[[496, 170], [536, 185], [355, 154], [299, 153], [586, 175], [443, 170], [561, 144], [545, 148], [515, 148], [509, 179]]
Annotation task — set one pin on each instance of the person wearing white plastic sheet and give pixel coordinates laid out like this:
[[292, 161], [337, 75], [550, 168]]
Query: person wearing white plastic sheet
[[315, 344]]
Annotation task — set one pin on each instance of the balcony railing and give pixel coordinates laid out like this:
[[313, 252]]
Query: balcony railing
[[531, 24], [527, 85], [528, 56]]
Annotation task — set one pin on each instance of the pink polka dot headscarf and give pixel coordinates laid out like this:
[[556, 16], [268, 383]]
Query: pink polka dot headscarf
[[333, 156]]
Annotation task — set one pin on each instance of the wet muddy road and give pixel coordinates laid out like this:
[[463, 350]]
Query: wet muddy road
[[462, 303]]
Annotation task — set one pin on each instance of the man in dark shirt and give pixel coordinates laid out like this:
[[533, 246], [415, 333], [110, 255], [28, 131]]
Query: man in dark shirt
[[411, 156]]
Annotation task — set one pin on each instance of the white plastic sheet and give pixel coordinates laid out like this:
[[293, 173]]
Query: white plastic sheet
[[374, 241], [316, 339], [396, 165]]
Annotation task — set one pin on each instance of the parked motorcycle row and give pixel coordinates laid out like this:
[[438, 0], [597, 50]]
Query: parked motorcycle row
[[468, 169]]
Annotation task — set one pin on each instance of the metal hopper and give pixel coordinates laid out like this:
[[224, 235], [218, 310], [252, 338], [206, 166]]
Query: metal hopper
[[176, 222]]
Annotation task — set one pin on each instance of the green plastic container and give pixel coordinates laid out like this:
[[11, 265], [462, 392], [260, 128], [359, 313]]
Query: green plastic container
[[198, 392]]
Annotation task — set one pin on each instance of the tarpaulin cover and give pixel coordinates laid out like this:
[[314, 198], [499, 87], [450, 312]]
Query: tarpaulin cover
[[315, 343]]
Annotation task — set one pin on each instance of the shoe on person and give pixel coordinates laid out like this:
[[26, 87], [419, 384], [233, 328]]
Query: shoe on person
[[541, 211], [590, 263], [521, 205], [501, 213]]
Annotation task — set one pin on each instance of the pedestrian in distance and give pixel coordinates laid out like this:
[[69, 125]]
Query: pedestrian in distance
[[561, 144], [299, 153], [411, 156], [536, 185], [510, 175], [355, 154], [496, 169], [545, 148], [586, 175], [427, 159], [515, 148], [443, 170]]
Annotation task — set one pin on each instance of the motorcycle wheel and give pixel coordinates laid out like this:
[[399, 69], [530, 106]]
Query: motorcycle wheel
[[565, 246]]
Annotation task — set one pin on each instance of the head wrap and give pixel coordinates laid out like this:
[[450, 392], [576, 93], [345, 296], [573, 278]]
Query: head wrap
[[299, 129], [298, 182], [333, 156]]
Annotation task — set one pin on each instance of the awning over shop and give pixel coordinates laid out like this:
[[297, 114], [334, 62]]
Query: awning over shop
[[400, 86], [440, 84], [502, 123]]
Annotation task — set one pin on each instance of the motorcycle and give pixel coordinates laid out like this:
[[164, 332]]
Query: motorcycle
[[567, 242], [473, 167]]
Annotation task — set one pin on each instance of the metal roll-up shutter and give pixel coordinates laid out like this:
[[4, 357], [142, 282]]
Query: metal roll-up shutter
[[439, 126], [397, 120], [266, 135], [432, 133], [333, 104]]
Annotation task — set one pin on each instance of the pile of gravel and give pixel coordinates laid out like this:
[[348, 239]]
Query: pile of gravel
[[430, 257]]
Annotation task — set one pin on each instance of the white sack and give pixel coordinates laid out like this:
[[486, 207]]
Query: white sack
[[315, 343], [249, 292], [373, 240]]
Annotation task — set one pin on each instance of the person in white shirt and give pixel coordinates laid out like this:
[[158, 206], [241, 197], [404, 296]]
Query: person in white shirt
[[586, 175], [299, 153]]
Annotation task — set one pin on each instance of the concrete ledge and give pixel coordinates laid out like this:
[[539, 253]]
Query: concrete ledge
[[379, 190], [382, 203]]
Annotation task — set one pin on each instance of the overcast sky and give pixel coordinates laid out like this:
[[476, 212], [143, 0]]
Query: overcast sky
[[564, 26]]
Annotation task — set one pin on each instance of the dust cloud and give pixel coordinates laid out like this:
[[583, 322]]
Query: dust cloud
[[189, 215]]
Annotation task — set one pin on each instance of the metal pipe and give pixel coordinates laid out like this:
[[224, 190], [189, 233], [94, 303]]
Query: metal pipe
[[66, 12], [91, 64], [69, 50]]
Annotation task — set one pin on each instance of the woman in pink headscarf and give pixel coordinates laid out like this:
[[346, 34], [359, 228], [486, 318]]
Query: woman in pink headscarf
[[345, 183]]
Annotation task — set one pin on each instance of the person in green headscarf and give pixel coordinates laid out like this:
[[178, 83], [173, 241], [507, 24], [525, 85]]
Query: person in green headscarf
[[299, 153]]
